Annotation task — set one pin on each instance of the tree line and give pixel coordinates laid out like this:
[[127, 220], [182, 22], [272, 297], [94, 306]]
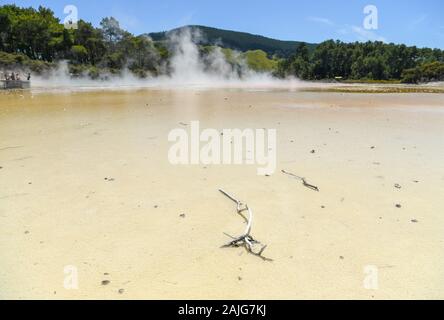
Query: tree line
[[364, 61], [35, 39]]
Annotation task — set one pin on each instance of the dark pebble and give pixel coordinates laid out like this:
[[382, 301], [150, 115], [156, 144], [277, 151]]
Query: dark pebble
[[398, 206], [105, 282]]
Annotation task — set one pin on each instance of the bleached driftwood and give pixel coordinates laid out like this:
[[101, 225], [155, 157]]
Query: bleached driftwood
[[245, 239], [304, 182]]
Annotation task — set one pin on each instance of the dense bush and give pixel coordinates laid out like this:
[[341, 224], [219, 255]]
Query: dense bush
[[369, 60], [19, 61], [34, 38], [427, 72]]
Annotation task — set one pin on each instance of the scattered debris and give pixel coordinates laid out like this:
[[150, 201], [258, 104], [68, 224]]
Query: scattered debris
[[313, 151], [245, 239], [398, 206], [415, 221], [109, 179], [105, 282], [398, 186], [121, 291], [183, 124], [341, 257], [183, 215], [304, 182]]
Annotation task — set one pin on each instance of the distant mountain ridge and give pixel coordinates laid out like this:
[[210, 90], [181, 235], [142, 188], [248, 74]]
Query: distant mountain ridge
[[241, 41]]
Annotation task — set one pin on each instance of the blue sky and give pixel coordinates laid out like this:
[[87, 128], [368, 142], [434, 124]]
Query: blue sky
[[413, 22]]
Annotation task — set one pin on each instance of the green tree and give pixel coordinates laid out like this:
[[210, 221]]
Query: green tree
[[79, 53], [111, 30], [92, 39], [5, 29]]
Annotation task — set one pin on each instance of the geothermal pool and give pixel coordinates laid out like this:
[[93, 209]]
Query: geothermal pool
[[91, 207]]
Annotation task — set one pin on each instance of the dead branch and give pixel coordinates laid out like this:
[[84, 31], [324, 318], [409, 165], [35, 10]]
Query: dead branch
[[245, 240], [304, 182]]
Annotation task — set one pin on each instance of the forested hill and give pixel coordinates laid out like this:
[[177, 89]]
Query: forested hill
[[240, 41]]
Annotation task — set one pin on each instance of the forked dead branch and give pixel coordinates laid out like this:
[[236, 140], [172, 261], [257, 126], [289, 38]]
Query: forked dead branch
[[245, 240]]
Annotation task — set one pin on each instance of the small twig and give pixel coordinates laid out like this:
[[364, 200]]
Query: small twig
[[245, 239], [304, 182]]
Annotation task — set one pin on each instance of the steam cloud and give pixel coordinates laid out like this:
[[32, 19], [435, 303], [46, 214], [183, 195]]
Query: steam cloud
[[187, 69]]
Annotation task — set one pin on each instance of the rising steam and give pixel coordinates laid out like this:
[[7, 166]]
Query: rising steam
[[186, 68]]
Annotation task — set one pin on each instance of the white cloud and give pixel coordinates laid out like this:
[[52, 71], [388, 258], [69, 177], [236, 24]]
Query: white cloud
[[366, 35], [321, 20], [358, 33], [419, 20], [127, 21]]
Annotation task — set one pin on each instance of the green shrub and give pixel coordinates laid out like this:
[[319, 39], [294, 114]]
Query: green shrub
[[427, 72], [257, 60]]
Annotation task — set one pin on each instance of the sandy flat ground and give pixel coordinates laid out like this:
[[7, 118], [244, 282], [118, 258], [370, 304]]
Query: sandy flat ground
[[85, 182]]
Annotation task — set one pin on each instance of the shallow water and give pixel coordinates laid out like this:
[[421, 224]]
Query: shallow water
[[85, 181]]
